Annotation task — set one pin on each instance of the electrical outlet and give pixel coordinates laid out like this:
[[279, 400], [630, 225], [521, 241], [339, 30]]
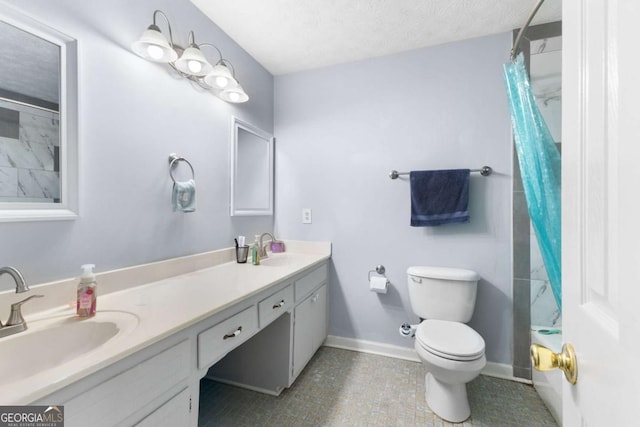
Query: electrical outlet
[[306, 215]]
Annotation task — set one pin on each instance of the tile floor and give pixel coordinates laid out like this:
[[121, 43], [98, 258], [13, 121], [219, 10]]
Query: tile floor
[[345, 388]]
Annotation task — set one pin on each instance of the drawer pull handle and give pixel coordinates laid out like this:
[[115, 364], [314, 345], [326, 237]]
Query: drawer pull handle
[[234, 334], [278, 305]]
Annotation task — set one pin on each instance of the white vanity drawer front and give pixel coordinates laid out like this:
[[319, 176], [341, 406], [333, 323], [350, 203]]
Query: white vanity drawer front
[[308, 283], [220, 339], [272, 307], [114, 400]]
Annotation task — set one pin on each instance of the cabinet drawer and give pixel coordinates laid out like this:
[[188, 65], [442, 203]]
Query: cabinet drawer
[[270, 308], [308, 283], [220, 339]]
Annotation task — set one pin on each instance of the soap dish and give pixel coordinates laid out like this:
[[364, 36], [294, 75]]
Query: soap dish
[[277, 247]]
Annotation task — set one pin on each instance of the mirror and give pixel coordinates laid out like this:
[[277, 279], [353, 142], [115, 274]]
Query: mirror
[[38, 120], [251, 170]]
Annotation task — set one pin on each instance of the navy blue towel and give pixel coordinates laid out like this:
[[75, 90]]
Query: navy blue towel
[[439, 197]]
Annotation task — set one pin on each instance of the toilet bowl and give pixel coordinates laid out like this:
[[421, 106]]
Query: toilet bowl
[[453, 355], [451, 351]]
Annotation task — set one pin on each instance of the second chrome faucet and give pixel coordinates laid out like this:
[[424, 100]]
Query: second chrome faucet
[[263, 247]]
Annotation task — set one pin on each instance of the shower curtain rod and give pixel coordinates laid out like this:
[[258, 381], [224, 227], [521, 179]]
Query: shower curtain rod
[[516, 44]]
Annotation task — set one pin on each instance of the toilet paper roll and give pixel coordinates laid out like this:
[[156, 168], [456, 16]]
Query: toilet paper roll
[[378, 284]]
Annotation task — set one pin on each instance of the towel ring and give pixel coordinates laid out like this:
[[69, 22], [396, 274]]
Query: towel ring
[[173, 160]]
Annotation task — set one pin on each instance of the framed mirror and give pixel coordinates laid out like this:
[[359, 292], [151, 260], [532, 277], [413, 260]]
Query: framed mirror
[[251, 170], [38, 120]]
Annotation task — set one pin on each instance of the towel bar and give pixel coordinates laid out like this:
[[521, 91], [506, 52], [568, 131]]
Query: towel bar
[[484, 171], [173, 160]]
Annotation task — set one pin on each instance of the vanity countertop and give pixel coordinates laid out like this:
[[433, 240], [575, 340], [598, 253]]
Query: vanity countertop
[[162, 308]]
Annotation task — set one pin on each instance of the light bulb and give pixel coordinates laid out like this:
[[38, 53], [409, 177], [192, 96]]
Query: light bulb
[[155, 52], [222, 82], [234, 96], [194, 66]]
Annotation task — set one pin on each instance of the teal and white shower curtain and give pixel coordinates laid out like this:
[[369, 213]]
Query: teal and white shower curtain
[[539, 160]]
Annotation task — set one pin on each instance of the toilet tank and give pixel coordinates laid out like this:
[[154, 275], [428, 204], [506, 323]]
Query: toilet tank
[[443, 293]]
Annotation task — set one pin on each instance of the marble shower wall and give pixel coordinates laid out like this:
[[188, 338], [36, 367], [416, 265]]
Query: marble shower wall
[[546, 82], [544, 310], [29, 152], [533, 301]]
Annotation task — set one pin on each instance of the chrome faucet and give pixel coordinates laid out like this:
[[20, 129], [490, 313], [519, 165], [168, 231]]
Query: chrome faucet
[[16, 322], [263, 249], [21, 285]]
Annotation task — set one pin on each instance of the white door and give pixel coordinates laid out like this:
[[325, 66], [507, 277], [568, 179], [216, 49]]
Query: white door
[[601, 209]]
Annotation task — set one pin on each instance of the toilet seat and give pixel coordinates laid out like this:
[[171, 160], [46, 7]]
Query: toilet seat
[[450, 340]]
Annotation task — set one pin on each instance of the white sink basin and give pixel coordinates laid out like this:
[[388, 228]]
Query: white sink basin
[[278, 260], [51, 341]]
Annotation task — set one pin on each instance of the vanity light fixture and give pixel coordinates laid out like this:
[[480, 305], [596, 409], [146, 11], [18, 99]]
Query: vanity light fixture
[[234, 94], [221, 77], [153, 45], [190, 62]]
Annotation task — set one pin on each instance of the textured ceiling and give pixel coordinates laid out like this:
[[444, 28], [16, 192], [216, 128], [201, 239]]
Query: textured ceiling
[[286, 36]]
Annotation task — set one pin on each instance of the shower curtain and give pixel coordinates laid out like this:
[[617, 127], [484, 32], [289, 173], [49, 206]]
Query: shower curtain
[[540, 169]]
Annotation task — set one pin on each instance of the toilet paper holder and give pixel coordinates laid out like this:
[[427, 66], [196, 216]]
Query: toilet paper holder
[[379, 269]]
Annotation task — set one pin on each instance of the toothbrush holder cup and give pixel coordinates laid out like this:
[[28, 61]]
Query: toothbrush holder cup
[[241, 254]]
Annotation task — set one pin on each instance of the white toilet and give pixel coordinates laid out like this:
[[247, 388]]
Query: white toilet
[[451, 351]]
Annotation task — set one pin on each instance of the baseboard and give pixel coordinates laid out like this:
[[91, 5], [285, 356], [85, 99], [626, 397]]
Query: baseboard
[[372, 347], [502, 371], [497, 370], [248, 387]]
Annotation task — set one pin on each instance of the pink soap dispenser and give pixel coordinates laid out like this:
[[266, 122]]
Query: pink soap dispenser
[[86, 304]]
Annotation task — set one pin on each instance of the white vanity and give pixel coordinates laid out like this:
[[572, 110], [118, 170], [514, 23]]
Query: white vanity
[[267, 320]]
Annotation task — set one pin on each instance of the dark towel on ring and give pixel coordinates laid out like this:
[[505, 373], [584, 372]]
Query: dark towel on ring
[[439, 197]]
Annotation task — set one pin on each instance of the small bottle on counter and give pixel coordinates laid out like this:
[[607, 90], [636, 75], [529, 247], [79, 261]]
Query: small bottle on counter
[[86, 298], [255, 251]]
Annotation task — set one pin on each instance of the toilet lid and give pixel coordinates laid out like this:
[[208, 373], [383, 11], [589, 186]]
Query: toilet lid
[[451, 340], [443, 273]]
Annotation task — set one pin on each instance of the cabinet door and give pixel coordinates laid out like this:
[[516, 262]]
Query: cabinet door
[[175, 412], [120, 397], [320, 318], [310, 328]]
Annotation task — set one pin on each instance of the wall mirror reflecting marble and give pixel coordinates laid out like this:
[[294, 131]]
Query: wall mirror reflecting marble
[[38, 120], [251, 170]]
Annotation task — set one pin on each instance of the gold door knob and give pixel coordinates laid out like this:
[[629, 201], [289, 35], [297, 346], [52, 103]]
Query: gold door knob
[[544, 359]]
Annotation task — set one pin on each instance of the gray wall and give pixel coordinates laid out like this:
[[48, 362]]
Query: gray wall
[[341, 129], [133, 113]]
